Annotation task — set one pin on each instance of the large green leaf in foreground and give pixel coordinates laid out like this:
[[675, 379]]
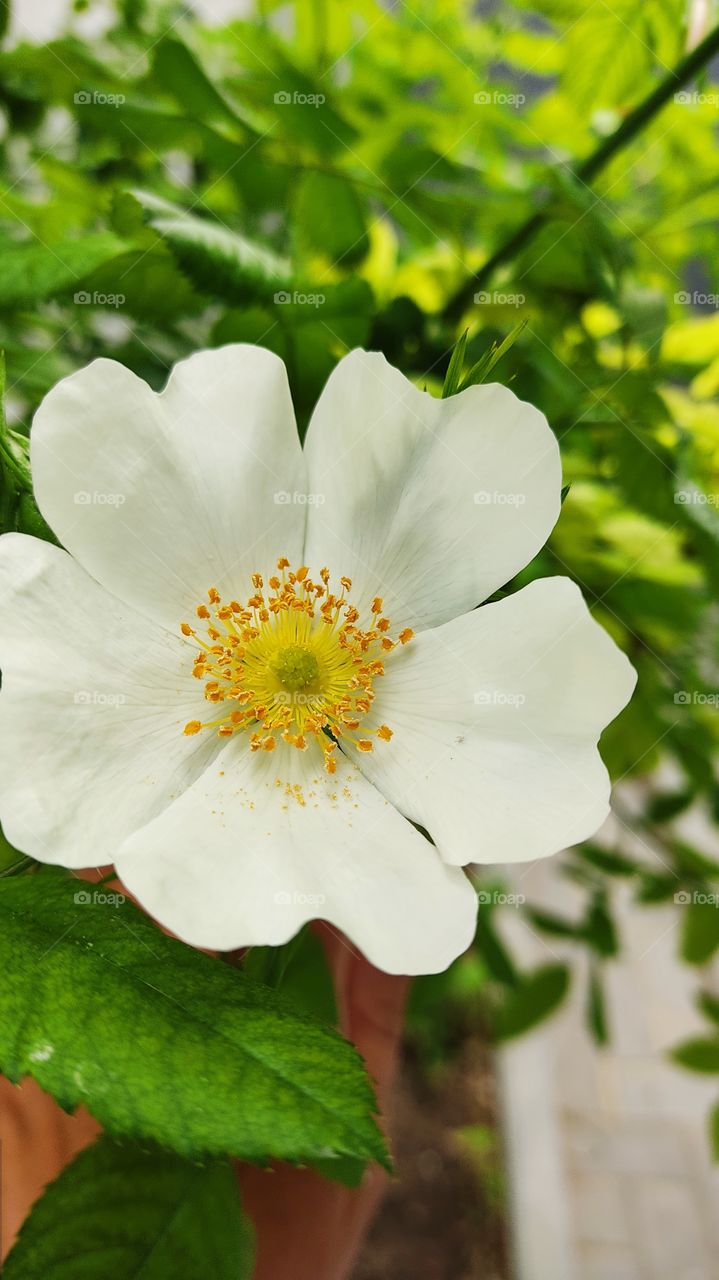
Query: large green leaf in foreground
[[161, 1041], [122, 1213]]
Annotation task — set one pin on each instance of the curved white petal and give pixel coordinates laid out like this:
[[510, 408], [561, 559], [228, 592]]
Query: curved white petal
[[161, 496], [431, 504], [94, 699], [262, 843], [496, 716]]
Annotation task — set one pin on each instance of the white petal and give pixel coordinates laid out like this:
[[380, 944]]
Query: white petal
[[496, 716], [94, 699], [262, 843], [161, 496], [431, 504]]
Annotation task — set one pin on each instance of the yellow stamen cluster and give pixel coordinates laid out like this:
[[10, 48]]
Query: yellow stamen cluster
[[292, 662]]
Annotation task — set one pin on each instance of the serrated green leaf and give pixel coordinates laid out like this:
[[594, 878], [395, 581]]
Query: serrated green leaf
[[249, 1077], [124, 1213], [33, 272], [611, 50], [217, 260]]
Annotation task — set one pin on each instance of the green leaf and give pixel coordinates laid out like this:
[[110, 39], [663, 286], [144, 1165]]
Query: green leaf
[[329, 218], [217, 260], [535, 996], [148, 285], [552, 924], [308, 330], [655, 887], [121, 1212], [599, 929], [481, 370], [611, 50], [215, 1064], [700, 930], [453, 375], [692, 862], [709, 1004], [300, 971], [596, 1007], [176, 70], [18, 509], [33, 272], [699, 1054], [613, 864], [492, 949], [668, 804]]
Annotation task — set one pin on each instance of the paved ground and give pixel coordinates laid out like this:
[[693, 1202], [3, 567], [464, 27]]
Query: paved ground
[[609, 1157]]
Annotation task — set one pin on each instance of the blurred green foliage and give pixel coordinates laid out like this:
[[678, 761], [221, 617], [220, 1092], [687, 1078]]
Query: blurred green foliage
[[328, 175]]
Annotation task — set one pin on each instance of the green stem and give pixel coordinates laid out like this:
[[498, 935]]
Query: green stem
[[17, 868], [587, 169]]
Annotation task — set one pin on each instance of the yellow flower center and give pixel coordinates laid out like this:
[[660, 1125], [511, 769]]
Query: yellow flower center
[[292, 662]]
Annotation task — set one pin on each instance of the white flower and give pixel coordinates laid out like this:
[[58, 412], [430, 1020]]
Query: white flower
[[190, 745]]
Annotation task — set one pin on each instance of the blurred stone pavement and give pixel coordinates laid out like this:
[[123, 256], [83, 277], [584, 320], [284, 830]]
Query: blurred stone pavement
[[610, 1172]]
